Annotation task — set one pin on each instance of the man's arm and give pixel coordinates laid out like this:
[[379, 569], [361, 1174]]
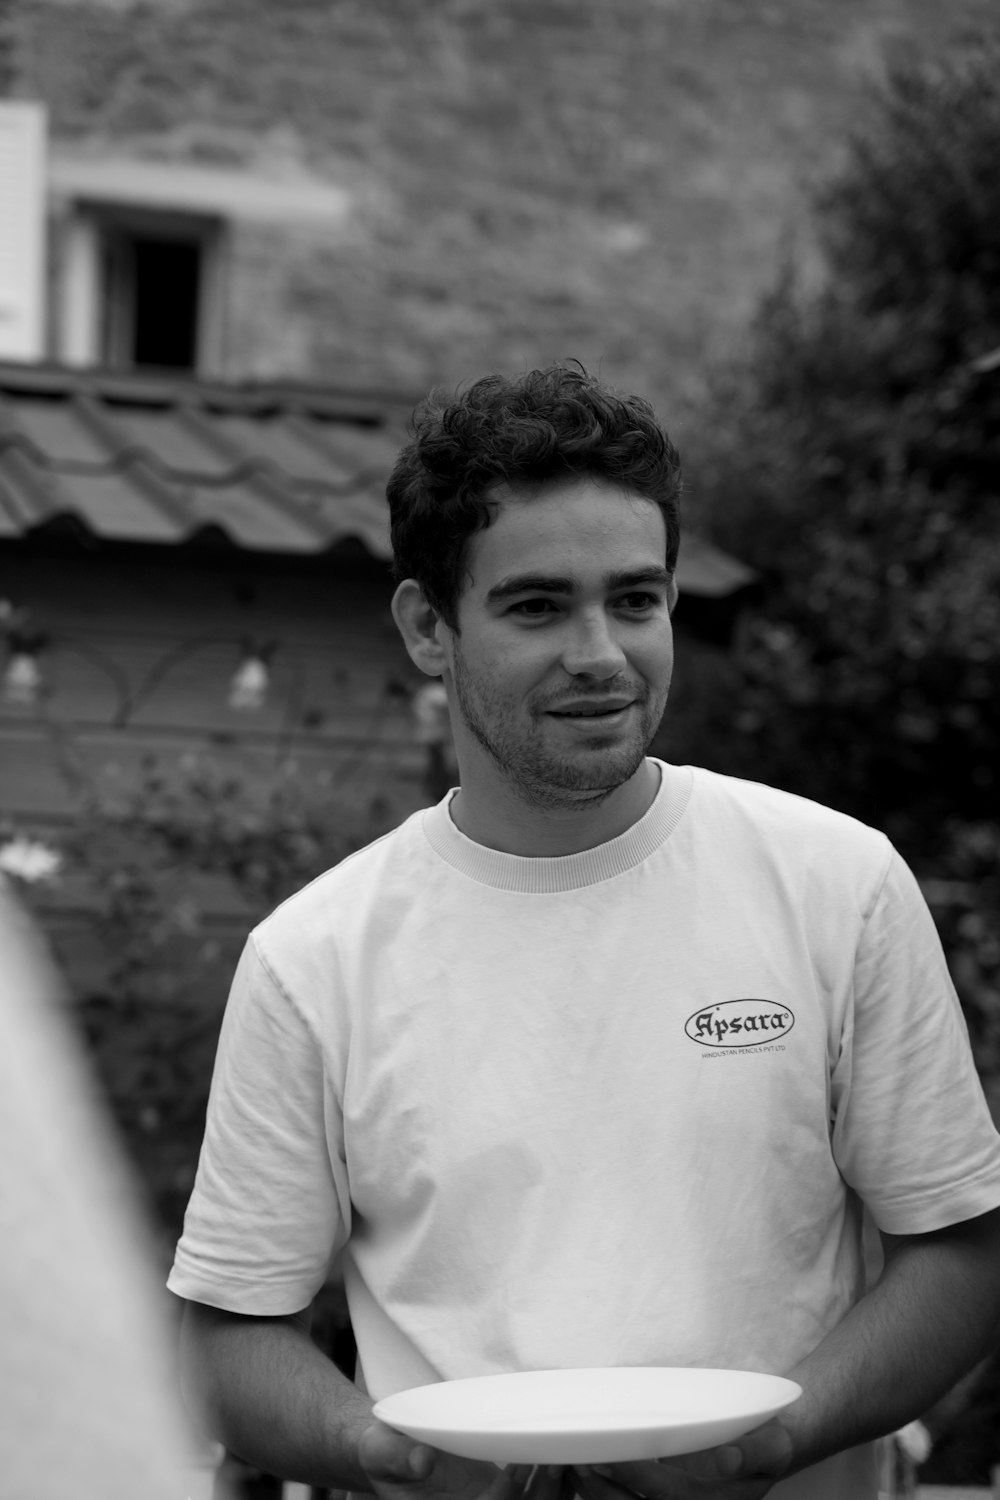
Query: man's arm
[[265, 1390], [933, 1313]]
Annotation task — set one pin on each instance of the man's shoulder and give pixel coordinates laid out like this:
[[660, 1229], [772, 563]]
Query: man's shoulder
[[350, 883], [783, 819]]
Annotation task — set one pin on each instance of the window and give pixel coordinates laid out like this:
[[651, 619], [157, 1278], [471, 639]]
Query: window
[[152, 293], [142, 290], [141, 249]]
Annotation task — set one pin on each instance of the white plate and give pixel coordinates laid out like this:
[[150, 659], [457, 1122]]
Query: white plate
[[587, 1416]]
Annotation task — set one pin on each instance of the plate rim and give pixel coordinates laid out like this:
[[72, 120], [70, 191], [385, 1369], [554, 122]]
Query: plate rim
[[475, 1425]]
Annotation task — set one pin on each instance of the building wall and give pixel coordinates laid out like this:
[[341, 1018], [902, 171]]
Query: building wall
[[141, 657], [529, 180], [141, 645], [137, 671]]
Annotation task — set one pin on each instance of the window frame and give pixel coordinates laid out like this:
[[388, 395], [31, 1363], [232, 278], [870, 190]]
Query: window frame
[[95, 325]]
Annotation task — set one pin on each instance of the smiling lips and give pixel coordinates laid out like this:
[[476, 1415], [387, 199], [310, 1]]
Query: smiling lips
[[592, 708]]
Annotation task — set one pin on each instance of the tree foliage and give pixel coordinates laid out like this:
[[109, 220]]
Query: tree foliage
[[852, 456], [172, 872]]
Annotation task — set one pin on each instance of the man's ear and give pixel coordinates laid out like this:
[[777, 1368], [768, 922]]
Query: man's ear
[[421, 627], [672, 594]]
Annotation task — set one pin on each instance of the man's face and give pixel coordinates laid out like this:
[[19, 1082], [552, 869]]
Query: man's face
[[561, 664]]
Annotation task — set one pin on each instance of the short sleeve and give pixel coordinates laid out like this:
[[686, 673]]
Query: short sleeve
[[912, 1132], [270, 1205]]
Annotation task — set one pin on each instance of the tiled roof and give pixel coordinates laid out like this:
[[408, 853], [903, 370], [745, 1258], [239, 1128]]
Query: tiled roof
[[276, 468]]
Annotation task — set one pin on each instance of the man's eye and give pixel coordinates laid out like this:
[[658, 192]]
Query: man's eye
[[536, 607], [638, 601]]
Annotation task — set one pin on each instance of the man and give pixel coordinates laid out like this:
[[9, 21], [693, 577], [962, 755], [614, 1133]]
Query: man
[[598, 1061]]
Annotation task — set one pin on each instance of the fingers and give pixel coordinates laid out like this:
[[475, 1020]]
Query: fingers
[[388, 1455], [746, 1468], [765, 1450], [395, 1465]]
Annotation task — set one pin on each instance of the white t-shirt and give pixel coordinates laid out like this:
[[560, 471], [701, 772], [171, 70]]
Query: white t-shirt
[[619, 1107]]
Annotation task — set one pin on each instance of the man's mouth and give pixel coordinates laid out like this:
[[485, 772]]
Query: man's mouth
[[595, 710]]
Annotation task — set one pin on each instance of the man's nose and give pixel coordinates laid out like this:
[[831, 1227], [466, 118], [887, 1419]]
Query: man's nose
[[593, 649]]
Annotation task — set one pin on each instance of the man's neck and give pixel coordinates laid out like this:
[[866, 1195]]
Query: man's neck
[[504, 821]]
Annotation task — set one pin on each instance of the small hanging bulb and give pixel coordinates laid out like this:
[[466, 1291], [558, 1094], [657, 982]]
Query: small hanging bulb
[[22, 679], [430, 710], [249, 684]]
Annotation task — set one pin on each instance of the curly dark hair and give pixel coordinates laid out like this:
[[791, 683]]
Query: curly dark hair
[[545, 425]]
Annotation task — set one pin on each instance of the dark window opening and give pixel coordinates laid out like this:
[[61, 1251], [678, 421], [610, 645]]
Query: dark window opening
[[166, 291], [153, 294]]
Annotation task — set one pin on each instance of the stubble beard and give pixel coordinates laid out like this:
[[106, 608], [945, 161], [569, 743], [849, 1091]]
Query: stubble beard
[[537, 776]]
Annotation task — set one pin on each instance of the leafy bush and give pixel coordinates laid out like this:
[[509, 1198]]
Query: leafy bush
[[850, 455], [173, 873], [183, 844]]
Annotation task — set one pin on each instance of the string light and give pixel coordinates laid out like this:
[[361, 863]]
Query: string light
[[22, 679], [23, 682], [430, 709], [249, 684]]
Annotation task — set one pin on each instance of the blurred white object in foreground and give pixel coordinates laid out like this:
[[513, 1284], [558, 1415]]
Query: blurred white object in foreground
[[89, 1406]]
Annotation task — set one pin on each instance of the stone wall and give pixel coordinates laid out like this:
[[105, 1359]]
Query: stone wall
[[531, 179]]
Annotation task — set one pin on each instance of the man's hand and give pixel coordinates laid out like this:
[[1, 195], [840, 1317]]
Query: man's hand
[[742, 1470], [399, 1469]]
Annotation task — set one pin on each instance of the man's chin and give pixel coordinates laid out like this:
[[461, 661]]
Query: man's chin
[[590, 775]]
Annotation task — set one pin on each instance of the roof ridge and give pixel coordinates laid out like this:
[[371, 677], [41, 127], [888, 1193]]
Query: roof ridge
[[144, 387]]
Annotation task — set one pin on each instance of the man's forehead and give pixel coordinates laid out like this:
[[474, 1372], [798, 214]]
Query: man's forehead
[[564, 509], [529, 491], [563, 535]]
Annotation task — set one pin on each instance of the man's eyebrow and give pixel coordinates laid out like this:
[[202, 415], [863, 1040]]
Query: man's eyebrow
[[566, 583], [632, 577], [531, 583]]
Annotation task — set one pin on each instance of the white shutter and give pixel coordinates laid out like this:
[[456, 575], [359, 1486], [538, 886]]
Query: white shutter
[[22, 229]]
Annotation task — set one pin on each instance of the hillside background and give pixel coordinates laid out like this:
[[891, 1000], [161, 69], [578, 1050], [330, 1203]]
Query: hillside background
[[615, 180]]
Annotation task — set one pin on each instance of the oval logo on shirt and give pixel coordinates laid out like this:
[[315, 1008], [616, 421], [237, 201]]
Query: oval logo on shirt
[[739, 1023]]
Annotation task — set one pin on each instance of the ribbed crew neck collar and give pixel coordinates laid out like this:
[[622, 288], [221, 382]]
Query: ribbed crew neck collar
[[565, 872]]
